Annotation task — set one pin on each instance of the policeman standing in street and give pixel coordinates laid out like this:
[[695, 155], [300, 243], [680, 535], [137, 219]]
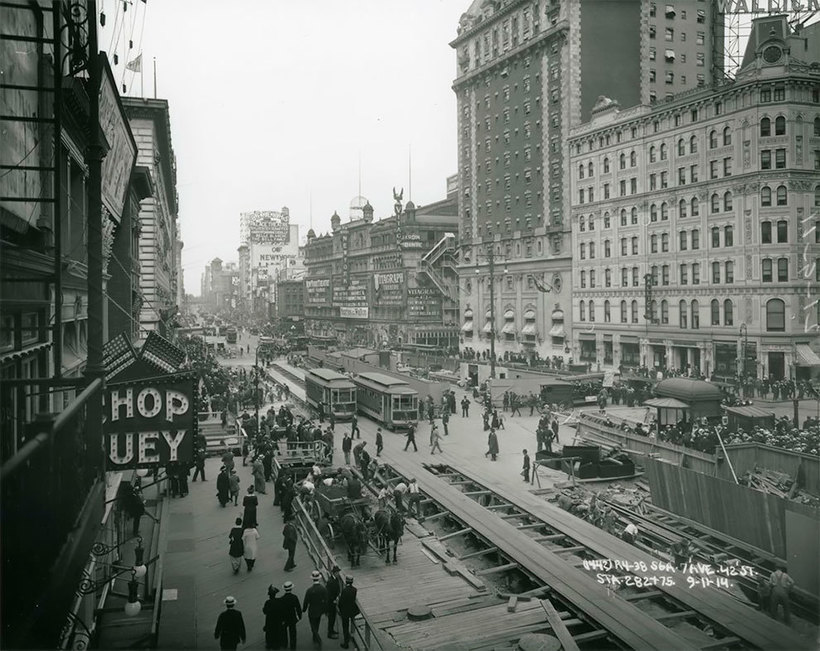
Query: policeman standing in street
[[348, 609]]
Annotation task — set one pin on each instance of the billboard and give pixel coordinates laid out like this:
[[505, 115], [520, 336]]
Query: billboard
[[423, 303], [388, 288], [150, 422], [766, 6], [318, 291]]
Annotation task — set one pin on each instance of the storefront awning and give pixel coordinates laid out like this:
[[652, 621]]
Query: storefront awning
[[468, 314], [806, 356], [467, 327], [528, 329], [529, 315], [509, 315], [509, 328], [488, 327], [557, 330]]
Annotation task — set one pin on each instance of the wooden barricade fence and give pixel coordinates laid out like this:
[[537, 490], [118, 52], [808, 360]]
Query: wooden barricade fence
[[745, 456], [774, 524]]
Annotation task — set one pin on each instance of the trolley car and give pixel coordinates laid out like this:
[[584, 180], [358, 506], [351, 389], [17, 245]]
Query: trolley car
[[387, 399], [333, 389]]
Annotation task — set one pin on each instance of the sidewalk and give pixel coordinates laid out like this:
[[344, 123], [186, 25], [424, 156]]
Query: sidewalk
[[198, 574]]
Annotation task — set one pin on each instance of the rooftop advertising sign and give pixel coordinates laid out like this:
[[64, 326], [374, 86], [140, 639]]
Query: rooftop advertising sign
[[766, 6]]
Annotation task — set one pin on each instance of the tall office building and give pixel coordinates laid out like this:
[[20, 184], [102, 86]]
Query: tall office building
[[527, 72], [695, 221]]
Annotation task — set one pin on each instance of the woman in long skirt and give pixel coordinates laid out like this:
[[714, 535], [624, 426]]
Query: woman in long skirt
[[258, 472], [249, 537], [250, 503], [237, 549]]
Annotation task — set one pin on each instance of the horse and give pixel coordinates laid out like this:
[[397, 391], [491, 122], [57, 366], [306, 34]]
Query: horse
[[389, 527], [354, 533]]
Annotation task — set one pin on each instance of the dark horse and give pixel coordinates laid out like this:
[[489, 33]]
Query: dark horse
[[389, 527], [354, 532]]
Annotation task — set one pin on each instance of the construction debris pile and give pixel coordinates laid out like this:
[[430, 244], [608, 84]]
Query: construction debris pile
[[591, 506], [777, 483]]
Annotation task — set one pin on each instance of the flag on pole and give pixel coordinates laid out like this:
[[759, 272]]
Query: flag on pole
[[136, 64]]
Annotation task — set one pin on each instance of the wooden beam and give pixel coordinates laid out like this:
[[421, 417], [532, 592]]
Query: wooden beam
[[679, 615], [436, 516], [552, 536], [558, 626], [649, 594], [495, 570], [512, 603], [533, 525], [503, 505], [561, 550], [460, 532], [592, 635], [481, 492], [722, 642], [461, 481], [510, 516], [481, 552]]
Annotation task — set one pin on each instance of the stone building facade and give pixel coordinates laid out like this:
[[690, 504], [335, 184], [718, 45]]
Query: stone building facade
[[695, 221]]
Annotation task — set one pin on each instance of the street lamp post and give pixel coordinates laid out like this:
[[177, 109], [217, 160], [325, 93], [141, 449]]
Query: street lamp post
[[744, 342]]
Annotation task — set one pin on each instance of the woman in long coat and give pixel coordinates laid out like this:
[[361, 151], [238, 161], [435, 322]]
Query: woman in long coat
[[222, 487], [273, 619], [492, 445], [250, 503], [258, 472], [249, 537]]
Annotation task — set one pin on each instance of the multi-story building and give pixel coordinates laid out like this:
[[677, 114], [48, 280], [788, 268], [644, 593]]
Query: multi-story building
[[290, 301], [390, 281], [695, 221], [160, 275], [527, 72], [220, 288], [273, 245]]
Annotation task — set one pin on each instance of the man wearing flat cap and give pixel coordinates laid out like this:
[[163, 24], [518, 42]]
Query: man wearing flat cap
[[334, 588], [315, 605], [291, 613], [348, 609], [230, 627]]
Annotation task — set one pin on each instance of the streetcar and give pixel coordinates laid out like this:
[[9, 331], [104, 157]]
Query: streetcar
[[231, 335], [387, 399], [335, 390]]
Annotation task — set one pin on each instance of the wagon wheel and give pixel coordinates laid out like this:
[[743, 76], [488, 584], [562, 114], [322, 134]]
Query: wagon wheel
[[315, 510], [326, 531]]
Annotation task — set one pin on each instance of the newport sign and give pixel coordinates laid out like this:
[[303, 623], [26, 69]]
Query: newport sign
[[766, 6], [150, 423]]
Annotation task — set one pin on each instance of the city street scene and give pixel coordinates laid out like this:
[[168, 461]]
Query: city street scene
[[486, 325]]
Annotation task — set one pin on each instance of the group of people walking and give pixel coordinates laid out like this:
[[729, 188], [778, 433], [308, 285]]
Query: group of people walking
[[333, 597]]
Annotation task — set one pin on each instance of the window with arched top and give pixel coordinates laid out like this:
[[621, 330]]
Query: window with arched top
[[582, 311], [765, 127], [664, 151], [817, 196], [653, 243], [607, 220], [590, 170], [693, 145], [682, 208], [634, 311], [606, 165], [681, 147], [607, 314], [582, 223], [780, 126], [713, 139], [817, 126], [715, 203], [664, 211], [765, 196], [633, 159], [766, 270], [695, 315], [714, 310], [653, 311], [581, 171], [695, 206], [592, 250], [716, 273], [664, 312], [653, 213], [728, 313], [591, 222], [775, 315], [634, 215], [622, 161], [782, 270], [727, 136], [653, 153], [782, 196], [727, 201], [623, 216], [592, 310], [623, 311], [682, 320]]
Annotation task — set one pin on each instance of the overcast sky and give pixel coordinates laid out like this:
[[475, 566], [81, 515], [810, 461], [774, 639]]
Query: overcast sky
[[273, 102]]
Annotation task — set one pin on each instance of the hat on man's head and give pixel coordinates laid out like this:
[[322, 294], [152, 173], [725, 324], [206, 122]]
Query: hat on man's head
[[288, 586], [230, 602], [349, 580], [316, 575]]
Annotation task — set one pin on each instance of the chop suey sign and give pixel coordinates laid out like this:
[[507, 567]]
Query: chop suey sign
[[150, 424]]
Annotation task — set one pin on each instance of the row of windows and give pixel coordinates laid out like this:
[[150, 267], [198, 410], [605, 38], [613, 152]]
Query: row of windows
[[688, 313], [728, 275]]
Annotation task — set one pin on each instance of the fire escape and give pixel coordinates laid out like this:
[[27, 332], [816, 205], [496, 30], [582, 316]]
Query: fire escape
[[439, 262]]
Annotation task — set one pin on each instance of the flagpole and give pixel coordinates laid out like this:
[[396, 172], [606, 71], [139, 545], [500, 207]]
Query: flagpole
[[142, 79], [155, 77]]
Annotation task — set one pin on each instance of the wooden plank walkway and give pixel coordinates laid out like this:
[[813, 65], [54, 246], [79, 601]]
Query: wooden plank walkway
[[295, 390], [622, 619], [743, 621]]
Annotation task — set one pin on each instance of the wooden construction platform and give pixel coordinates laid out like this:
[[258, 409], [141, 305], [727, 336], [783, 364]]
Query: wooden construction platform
[[741, 620], [623, 620], [298, 392]]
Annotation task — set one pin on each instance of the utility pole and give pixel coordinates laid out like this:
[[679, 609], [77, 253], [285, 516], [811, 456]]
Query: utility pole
[[94, 157], [491, 260]]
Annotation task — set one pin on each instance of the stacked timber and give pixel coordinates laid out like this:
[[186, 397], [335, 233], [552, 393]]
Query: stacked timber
[[777, 483]]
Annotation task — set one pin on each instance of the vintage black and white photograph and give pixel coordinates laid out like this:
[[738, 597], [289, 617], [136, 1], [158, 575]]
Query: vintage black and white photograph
[[460, 325]]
